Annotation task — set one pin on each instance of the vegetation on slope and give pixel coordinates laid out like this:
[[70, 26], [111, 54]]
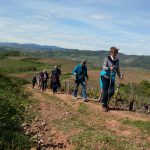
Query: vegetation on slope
[[12, 113]]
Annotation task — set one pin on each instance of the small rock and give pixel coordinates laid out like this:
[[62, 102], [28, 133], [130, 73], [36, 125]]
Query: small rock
[[36, 119], [30, 106], [40, 141], [39, 135], [27, 133], [38, 108], [34, 148], [24, 124], [43, 123], [35, 137], [45, 129], [43, 148]]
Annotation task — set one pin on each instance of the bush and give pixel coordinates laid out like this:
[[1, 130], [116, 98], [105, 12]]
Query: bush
[[12, 106]]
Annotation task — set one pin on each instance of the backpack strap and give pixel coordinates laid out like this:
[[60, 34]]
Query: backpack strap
[[112, 61]]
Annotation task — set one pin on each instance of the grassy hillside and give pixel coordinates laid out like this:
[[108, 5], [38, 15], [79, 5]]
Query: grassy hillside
[[94, 58]]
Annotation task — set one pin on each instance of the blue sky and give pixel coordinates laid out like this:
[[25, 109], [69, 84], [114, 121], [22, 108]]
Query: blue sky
[[82, 24]]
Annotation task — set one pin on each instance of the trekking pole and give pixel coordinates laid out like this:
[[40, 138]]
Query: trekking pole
[[109, 90]]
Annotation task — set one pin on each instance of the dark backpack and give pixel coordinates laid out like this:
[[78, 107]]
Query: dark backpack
[[44, 77]]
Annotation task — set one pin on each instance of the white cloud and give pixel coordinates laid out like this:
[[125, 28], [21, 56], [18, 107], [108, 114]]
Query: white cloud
[[99, 17]]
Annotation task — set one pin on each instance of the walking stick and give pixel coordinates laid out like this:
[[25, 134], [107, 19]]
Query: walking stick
[[109, 90]]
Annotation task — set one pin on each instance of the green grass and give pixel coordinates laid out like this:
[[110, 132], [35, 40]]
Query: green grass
[[90, 139], [83, 108], [69, 123], [57, 102], [144, 126], [93, 135], [15, 66]]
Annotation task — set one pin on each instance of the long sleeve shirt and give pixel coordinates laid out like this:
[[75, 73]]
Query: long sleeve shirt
[[106, 68]]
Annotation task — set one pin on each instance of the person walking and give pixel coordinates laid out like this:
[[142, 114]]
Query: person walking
[[81, 77], [107, 77], [45, 79], [33, 80], [55, 81]]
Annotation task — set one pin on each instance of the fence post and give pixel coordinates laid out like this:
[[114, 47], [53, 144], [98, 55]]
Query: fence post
[[131, 104], [65, 87]]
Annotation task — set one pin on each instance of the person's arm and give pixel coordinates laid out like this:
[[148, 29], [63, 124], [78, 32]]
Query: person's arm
[[74, 72], [105, 64]]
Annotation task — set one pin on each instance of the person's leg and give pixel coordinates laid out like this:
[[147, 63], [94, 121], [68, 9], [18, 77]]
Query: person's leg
[[34, 84], [84, 95], [112, 90], [105, 83], [59, 84], [42, 85], [101, 90], [54, 87], [45, 85], [76, 89]]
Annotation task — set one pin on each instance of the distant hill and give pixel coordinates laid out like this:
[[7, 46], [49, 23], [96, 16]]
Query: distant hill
[[94, 58], [29, 46]]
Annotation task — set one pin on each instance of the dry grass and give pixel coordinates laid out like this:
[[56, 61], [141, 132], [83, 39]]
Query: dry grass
[[131, 75]]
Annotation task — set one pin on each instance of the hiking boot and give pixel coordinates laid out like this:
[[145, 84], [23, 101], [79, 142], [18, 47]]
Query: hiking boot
[[84, 100], [75, 98], [104, 107]]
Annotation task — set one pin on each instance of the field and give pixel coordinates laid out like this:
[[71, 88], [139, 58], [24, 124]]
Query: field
[[50, 121], [28, 66]]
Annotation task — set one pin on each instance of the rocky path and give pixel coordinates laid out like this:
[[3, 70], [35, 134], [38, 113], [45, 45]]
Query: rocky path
[[59, 108]]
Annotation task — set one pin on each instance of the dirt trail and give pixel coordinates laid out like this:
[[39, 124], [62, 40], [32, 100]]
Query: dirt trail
[[54, 138], [49, 112], [122, 114]]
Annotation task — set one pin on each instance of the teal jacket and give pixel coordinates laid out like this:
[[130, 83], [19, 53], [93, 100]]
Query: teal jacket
[[81, 73]]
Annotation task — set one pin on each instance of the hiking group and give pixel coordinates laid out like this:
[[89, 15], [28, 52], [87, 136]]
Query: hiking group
[[107, 78], [41, 79]]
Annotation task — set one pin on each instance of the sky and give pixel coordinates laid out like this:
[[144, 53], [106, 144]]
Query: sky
[[79, 24]]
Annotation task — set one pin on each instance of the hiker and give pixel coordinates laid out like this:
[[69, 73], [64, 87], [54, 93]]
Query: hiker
[[107, 77], [45, 78], [55, 81], [33, 81], [81, 77], [41, 74], [39, 81]]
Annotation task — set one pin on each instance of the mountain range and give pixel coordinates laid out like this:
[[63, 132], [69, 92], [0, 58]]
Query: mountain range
[[95, 58]]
